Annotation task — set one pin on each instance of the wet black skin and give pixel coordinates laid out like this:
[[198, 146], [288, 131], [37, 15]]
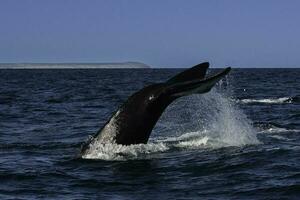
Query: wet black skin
[[137, 120]]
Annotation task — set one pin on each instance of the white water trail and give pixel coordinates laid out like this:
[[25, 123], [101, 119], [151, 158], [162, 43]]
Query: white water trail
[[268, 100]]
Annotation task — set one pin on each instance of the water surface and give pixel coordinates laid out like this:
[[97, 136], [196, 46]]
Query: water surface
[[240, 141]]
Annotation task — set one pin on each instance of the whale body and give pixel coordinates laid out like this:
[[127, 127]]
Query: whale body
[[133, 122]]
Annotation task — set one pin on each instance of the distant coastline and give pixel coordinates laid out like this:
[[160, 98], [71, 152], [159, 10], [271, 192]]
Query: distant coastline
[[118, 65]]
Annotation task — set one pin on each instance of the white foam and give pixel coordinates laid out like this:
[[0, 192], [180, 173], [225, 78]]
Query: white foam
[[268, 100], [112, 151]]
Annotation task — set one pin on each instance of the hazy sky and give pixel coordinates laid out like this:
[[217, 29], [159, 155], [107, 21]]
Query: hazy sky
[[162, 33]]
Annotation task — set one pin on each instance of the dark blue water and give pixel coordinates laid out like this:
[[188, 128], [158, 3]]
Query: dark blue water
[[240, 141]]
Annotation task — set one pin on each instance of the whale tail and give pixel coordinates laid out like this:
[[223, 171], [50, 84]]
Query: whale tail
[[193, 81], [133, 122], [196, 72]]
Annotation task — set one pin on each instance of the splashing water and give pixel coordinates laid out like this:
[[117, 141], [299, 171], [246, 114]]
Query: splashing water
[[209, 120], [225, 123]]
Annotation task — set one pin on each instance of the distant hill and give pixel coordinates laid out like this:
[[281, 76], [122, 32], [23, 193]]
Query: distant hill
[[121, 65]]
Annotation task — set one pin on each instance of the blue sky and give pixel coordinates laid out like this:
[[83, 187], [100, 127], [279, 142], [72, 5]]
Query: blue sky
[[161, 33]]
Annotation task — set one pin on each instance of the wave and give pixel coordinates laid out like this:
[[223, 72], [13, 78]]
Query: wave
[[280, 100], [217, 123], [280, 137], [273, 128], [278, 130]]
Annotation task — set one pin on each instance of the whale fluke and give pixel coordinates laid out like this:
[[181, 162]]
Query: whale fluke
[[184, 88], [133, 122], [196, 72]]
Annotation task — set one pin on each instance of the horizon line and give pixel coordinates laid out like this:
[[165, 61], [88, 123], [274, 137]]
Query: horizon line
[[122, 63]]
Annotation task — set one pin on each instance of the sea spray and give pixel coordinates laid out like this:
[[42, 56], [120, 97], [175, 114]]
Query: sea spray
[[225, 122]]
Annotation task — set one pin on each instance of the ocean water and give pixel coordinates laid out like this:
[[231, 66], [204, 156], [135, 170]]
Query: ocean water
[[239, 141]]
